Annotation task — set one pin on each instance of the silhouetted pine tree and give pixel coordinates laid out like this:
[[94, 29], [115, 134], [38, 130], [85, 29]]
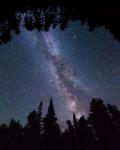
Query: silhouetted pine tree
[[40, 118], [52, 131], [4, 139], [68, 137], [115, 136], [15, 134], [40, 125], [100, 119], [75, 121], [115, 114], [84, 135], [32, 130]]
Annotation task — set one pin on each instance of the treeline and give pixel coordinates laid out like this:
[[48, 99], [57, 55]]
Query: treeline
[[43, 14], [99, 131]]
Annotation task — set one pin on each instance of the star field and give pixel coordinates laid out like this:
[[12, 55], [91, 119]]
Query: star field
[[71, 65]]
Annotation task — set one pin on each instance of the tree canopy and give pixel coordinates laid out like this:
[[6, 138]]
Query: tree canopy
[[41, 15]]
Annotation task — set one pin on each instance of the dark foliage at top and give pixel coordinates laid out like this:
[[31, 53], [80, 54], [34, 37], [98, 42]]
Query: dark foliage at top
[[41, 14], [100, 130]]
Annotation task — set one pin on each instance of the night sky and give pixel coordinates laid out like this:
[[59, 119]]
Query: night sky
[[73, 66]]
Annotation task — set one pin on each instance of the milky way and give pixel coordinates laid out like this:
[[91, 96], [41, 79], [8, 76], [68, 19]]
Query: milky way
[[72, 66], [64, 78]]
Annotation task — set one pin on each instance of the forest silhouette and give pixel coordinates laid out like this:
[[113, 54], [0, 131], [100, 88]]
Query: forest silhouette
[[99, 131], [43, 14]]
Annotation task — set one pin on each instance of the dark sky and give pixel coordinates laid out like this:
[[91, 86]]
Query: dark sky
[[72, 66]]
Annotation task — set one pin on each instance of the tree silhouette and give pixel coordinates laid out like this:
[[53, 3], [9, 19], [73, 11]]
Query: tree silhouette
[[51, 128], [40, 118], [101, 120], [15, 134], [4, 140], [42, 15], [32, 130], [100, 130], [75, 121], [115, 117], [69, 136], [84, 134]]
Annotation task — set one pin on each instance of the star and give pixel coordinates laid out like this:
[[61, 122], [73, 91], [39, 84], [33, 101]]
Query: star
[[7, 75], [75, 36], [51, 81]]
